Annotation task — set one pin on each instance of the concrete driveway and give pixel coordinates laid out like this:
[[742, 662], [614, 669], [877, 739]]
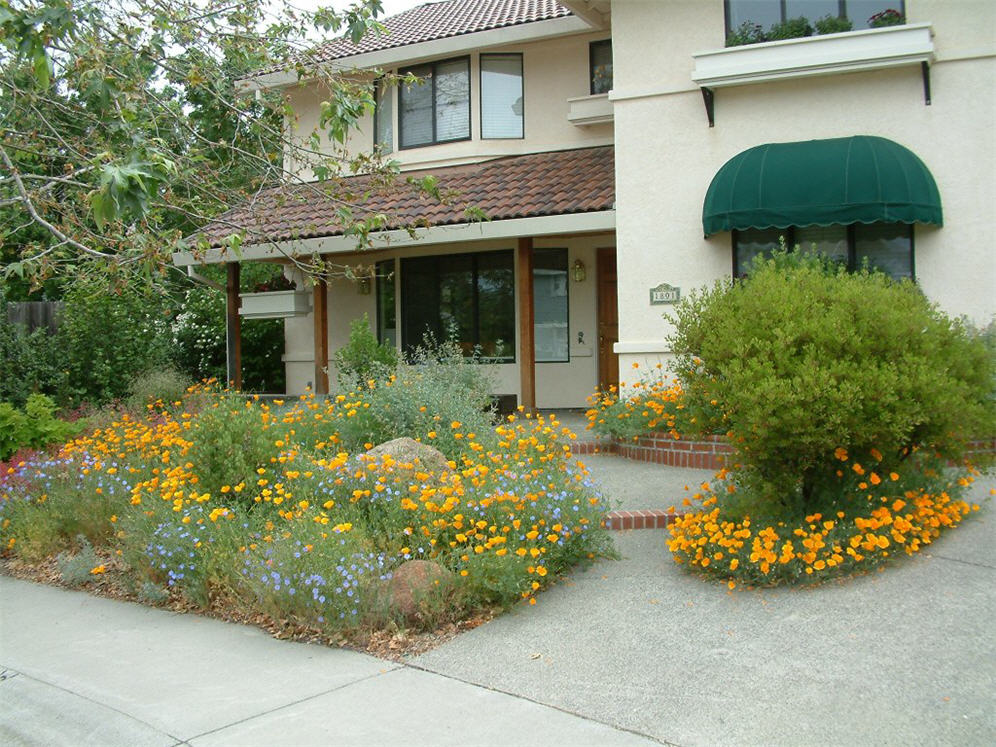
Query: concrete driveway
[[905, 656]]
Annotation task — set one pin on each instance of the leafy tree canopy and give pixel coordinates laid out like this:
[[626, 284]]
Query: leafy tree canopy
[[124, 126]]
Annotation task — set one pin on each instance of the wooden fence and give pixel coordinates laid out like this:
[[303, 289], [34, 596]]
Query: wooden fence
[[35, 314]]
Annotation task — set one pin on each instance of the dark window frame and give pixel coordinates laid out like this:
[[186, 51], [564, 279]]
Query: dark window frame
[[567, 258], [783, 5], [851, 247], [591, 64], [480, 88], [432, 82], [403, 332]]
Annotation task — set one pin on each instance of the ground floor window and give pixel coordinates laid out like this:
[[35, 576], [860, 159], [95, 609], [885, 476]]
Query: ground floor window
[[468, 298], [883, 246], [550, 306]]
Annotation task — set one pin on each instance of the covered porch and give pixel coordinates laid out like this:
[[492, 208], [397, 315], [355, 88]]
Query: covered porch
[[531, 290]]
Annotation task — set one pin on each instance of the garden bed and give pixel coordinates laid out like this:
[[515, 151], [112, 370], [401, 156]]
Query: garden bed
[[284, 515]]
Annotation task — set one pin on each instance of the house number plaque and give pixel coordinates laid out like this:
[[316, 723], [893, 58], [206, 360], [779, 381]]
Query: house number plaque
[[664, 294]]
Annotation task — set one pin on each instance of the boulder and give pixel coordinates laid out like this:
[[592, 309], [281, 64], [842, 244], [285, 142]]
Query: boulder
[[410, 450], [416, 583]]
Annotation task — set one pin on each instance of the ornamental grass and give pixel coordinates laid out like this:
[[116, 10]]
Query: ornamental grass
[[273, 508]]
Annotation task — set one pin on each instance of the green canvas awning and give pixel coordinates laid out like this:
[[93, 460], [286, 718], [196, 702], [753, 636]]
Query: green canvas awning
[[860, 179]]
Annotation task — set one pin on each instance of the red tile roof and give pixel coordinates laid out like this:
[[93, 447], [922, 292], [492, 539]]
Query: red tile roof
[[538, 184], [439, 20]]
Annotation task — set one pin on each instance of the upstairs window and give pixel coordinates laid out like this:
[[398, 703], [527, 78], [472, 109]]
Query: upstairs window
[[887, 247], [501, 96], [600, 64], [436, 110], [767, 13]]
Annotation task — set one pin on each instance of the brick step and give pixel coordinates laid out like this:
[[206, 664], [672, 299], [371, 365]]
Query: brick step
[[654, 518]]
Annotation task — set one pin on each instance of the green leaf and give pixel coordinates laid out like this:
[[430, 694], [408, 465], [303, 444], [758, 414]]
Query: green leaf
[[41, 66], [103, 207]]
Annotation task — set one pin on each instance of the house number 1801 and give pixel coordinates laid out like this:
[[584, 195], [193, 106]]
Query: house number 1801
[[664, 294]]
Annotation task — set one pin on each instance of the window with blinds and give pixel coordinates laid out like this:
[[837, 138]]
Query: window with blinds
[[437, 108], [501, 96]]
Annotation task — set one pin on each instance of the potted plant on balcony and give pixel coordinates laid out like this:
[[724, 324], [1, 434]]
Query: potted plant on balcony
[[888, 17], [833, 25]]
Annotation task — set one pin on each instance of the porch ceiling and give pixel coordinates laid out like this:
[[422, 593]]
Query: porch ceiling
[[529, 186]]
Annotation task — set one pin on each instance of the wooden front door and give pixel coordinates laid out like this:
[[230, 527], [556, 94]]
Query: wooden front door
[[608, 319]]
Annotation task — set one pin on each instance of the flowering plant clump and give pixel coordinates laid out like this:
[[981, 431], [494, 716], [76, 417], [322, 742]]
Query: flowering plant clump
[[655, 403], [274, 508], [887, 17], [876, 516]]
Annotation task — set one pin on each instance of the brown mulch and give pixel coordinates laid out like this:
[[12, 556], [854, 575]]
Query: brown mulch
[[394, 644]]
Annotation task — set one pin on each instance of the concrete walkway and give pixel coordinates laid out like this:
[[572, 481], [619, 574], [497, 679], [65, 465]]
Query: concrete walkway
[[627, 652]]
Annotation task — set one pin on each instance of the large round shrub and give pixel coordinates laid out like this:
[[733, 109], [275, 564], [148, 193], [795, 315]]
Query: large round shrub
[[805, 359]]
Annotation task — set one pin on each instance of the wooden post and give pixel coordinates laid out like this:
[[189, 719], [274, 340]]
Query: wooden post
[[321, 313], [233, 328], [527, 346]]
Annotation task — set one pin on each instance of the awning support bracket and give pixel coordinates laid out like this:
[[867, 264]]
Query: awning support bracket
[[709, 99], [925, 71]]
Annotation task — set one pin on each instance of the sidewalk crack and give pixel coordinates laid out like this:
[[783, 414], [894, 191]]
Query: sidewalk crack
[[176, 739], [963, 562], [293, 703], [518, 696]]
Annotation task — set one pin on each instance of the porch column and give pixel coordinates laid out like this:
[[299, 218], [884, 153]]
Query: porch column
[[527, 346], [321, 309], [233, 327]]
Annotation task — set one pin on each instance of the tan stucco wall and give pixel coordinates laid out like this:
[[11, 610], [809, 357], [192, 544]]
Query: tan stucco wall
[[666, 154], [553, 71], [557, 384]]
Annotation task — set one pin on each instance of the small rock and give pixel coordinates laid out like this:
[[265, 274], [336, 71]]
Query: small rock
[[414, 582], [408, 450]]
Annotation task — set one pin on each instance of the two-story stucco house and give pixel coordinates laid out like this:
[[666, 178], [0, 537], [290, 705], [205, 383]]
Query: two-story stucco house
[[625, 155]]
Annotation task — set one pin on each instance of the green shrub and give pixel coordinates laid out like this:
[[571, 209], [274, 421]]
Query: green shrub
[[109, 334], [831, 24], [228, 444], [34, 428], [805, 359], [746, 33], [791, 28], [12, 427], [363, 358]]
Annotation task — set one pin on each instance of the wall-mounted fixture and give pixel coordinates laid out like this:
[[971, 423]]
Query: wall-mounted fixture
[[364, 285], [578, 271]]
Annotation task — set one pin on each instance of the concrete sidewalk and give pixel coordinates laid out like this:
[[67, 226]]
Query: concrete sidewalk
[[82, 670]]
